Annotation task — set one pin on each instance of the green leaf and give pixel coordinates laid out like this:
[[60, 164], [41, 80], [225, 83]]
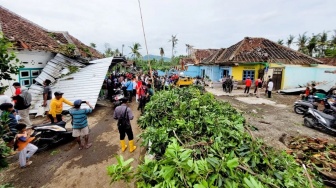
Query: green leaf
[[233, 163]]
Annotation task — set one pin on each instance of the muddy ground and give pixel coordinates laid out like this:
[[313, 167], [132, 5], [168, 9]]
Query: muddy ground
[[273, 122], [66, 166]]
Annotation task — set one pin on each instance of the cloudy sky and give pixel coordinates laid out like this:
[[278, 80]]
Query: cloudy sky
[[201, 23]]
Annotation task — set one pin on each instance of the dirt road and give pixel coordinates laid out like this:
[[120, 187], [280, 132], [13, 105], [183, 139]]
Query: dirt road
[[273, 122], [66, 166]]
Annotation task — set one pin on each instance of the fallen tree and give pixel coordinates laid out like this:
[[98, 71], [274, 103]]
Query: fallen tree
[[200, 142]]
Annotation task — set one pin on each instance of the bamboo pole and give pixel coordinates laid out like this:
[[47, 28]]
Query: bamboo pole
[[144, 34]]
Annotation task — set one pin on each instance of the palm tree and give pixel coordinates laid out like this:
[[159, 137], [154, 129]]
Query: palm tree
[[312, 44], [189, 49], [322, 43], [290, 40], [302, 42], [117, 52], [93, 45], [280, 41], [108, 51], [161, 54], [135, 50], [173, 40]]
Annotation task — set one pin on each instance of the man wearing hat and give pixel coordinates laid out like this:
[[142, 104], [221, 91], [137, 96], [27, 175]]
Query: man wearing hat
[[124, 114], [80, 126], [56, 107]]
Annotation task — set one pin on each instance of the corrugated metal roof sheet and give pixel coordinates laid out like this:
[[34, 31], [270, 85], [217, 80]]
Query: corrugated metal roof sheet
[[53, 69], [84, 84]]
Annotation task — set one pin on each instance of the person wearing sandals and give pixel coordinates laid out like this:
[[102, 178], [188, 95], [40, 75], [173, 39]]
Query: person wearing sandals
[[22, 143], [80, 126]]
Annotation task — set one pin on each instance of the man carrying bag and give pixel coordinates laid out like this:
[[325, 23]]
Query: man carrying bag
[[124, 114]]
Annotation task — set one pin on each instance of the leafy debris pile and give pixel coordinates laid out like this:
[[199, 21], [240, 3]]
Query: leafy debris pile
[[318, 154], [202, 143]]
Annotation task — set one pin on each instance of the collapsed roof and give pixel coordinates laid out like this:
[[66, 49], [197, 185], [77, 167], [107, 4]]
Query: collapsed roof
[[28, 35], [263, 50]]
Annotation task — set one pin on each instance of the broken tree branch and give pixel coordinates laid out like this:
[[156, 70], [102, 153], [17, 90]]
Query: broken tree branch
[[256, 175], [309, 179], [177, 138]]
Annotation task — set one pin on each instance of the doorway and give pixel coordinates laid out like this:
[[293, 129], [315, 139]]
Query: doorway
[[202, 73], [277, 77]]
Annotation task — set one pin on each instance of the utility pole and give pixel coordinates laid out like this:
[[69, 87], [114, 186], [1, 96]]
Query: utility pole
[[122, 50]]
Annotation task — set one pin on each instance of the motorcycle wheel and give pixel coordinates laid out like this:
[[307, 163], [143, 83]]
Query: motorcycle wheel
[[41, 145], [307, 122], [300, 110]]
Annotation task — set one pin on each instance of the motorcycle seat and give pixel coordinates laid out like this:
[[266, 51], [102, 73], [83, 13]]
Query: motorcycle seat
[[327, 116]]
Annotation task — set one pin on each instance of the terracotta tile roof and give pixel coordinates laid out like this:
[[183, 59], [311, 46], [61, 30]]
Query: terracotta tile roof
[[328, 60], [201, 54], [28, 35], [82, 48], [213, 57], [23, 33], [263, 50]]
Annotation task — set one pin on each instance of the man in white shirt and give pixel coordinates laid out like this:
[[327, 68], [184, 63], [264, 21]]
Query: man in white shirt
[[269, 87]]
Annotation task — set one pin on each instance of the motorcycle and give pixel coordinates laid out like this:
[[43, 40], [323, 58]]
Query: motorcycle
[[119, 94], [329, 107], [51, 134], [302, 106], [317, 119]]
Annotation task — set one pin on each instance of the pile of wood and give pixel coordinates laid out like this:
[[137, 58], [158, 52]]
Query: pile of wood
[[316, 153]]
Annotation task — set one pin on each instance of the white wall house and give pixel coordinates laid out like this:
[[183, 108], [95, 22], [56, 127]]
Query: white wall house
[[33, 62]]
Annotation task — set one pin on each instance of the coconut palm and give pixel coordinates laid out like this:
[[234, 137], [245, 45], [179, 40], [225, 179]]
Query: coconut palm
[[280, 41], [302, 42], [312, 44], [173, 40], [290, 40], [135, 50], [189, 49], [117, 52], [161, 54], [93, 45], [322, 43]]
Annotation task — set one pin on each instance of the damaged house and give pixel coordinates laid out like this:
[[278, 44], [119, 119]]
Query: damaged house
[[51, 55], [260, 57]]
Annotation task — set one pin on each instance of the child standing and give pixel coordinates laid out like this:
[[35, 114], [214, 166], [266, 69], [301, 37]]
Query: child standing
[[26, 149]]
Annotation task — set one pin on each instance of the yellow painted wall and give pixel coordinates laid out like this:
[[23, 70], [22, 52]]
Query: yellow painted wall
[[237, 71]]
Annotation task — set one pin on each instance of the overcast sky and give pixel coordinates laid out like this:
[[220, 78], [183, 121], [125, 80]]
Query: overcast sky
[[203, 24]]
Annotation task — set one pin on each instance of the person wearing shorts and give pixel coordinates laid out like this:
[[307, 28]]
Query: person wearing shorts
[[80, 126]]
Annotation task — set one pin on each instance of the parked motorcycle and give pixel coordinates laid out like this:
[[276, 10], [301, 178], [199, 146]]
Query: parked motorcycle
[[329, 107], [51, 134], [301, 106], [317, 119], [119, 94]]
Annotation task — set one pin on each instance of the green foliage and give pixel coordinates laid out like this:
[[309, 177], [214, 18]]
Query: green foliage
[[68, 49], [87, 51], [200, 142], [73, 69], [158, 65], [4, 129], [330, 52], [9, 64], [7, 185], [121, 171]]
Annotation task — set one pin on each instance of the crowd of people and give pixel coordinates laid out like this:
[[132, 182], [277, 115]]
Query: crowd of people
[[228, 82], [15, 114]]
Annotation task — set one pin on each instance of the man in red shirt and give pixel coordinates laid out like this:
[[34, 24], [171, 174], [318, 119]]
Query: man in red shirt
[[248, 83], [17, 87]]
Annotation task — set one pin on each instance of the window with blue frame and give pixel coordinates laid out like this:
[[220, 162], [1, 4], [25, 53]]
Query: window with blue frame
[[27, 76], [248, 73]]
